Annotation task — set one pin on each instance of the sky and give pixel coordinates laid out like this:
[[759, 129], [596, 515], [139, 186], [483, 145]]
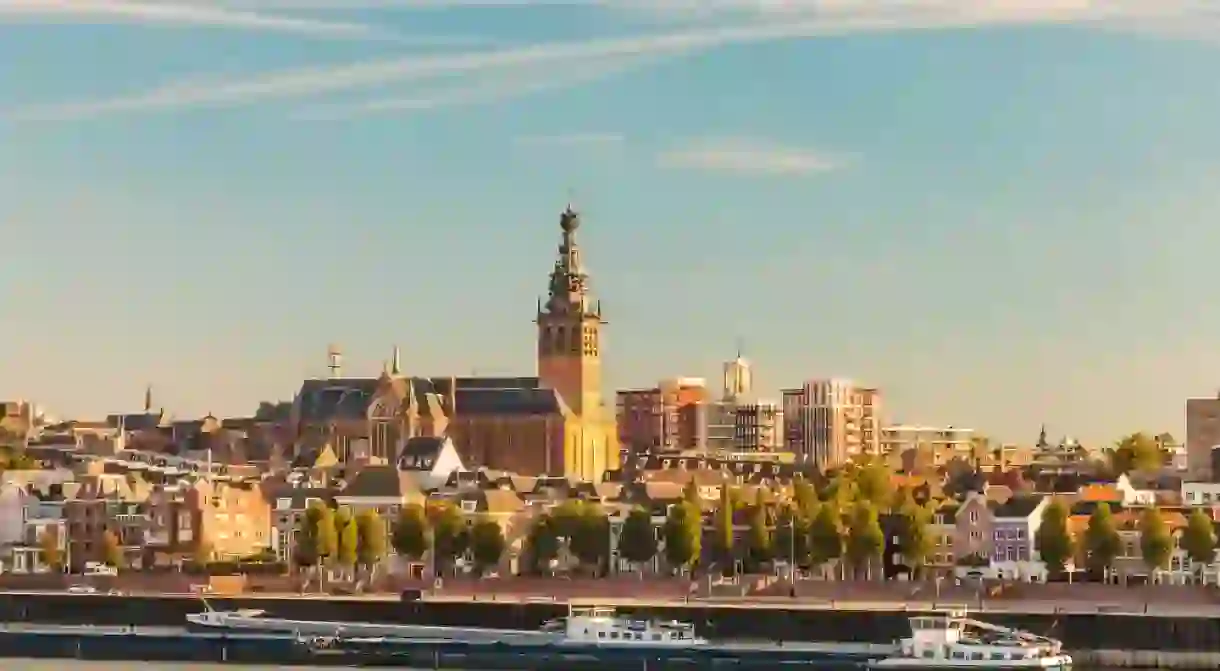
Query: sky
[[1001, 212]]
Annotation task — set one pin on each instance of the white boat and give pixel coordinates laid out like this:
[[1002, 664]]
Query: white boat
[[249, 620], [595, 626], [951, 640]]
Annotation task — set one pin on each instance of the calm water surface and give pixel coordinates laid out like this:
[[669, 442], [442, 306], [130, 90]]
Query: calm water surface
[[73, 665]]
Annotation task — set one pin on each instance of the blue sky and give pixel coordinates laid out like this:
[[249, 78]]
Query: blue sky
[[1002, 213]]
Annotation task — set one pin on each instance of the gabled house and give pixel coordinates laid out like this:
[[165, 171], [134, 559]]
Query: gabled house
[[1014, 525], [972, 528], [433, 459]]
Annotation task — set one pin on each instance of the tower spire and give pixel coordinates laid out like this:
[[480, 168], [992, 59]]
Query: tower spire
[[148, 399], [395, 366]]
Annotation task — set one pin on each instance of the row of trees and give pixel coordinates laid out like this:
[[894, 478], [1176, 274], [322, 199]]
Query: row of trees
[[1101, 543], [339, 539], [446, 535]]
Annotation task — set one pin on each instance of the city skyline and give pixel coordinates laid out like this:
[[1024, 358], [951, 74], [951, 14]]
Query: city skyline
[[1000, 217]]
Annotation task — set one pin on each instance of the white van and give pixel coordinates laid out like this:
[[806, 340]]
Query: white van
[[98, 568]]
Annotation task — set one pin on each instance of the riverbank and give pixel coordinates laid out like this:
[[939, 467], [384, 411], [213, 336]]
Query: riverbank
[[1096, 639]]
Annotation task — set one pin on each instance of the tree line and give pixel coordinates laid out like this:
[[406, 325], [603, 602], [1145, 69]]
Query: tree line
[[1101, 543]]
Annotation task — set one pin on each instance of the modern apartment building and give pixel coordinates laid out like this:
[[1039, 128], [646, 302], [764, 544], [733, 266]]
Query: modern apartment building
[[758, 427], [948, 441], [827, 422], [668, 417], [212, 517], [1202, 435]]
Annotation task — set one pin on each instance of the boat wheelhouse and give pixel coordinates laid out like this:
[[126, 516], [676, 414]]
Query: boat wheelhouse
[[605, 627], [951, 640]]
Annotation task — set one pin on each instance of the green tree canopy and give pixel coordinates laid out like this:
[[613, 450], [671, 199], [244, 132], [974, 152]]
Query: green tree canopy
[[1199, 538], [316, 539], [112, 550], [48, 549], [724, 537], [683, 535], [874, 484], [825, 536], [1136, 452], [1054, 539], [864, 537], [348, 537], [792, 536], [759, 535], [1101, 541], [412, 535], [542, 544], [486, 544], [914, 535], [589, 536], [1156, 543], [805, 495], [449, 533], [370, 539], [637, 542]]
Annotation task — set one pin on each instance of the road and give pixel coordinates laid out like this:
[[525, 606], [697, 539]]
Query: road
[[779, 603]]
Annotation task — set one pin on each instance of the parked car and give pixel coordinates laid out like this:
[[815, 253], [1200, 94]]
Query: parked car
[[82, 589]]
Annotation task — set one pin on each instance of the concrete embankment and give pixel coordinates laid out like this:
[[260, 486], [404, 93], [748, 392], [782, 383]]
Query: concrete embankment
[[1103, 639]]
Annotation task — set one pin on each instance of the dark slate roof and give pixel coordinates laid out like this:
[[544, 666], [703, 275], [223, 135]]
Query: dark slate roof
[[426, 448], [508, 402], [134, 422], [1017, 506], [343, 398], [464, 383], [380, 481]]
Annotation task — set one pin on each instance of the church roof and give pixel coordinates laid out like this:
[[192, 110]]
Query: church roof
[[509, 402]]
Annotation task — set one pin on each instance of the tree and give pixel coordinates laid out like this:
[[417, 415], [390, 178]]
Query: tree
[[874, 484], [112, 550], [486, 544], [347, 543], [683, 535], [758, 545], [48, 550], [1199, 538], [1101, 541], [690, 494], [914, 535], [792, 537], [317, 541], [449, 534], [412, 536], [805, 495], [542, 544], [589, 536], [370, 540], [724, 537], [637, 542], [825, 536], [1156, 543], [1136, 452], [1054, 540], [203, 553], [865, 541]]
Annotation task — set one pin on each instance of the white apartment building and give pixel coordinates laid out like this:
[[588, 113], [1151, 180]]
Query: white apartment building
[[827, 422], [737, 422], [897, 438]]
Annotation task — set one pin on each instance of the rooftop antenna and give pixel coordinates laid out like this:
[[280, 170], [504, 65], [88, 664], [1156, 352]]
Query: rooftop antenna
[[740, 346], [334, 361]]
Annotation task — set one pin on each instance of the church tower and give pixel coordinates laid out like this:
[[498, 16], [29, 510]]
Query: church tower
[[569, 329]]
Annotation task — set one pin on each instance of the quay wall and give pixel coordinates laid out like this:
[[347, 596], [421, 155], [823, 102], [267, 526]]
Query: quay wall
[[1103, 639]]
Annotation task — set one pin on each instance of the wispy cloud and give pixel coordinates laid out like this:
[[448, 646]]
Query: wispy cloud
[[488, 89], [788, 20], [570, 140], [175, 14], [743, 156]]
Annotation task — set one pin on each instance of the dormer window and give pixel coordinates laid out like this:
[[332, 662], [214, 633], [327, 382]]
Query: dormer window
[[470, 506]]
